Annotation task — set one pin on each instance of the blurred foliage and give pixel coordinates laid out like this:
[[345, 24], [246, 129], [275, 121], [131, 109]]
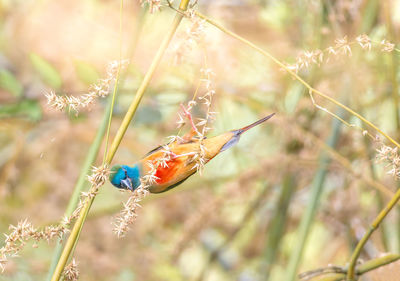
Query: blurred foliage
[[209, 226], [46, 71], [10, 83], [86, 72], [29, 109]]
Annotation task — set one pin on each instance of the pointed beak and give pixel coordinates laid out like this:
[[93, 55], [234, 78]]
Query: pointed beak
[[127, 184]]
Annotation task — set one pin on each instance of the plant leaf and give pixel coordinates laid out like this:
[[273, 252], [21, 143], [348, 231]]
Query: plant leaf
[[10, 83], [29, 109], [46, 71], [86, 72]]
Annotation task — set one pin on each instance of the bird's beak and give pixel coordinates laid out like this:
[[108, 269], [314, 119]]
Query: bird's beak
[[127, 184]]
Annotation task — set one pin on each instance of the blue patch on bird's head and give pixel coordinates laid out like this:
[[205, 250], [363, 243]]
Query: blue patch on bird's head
[[125, 177]]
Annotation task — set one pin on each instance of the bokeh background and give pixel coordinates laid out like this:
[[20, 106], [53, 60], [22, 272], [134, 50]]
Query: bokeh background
[[238, 220]]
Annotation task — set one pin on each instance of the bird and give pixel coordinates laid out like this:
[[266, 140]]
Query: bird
[[173, 163]]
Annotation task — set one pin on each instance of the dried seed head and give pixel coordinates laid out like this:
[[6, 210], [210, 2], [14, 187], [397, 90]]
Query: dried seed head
[[99, 175], [343, 46], [187, 41], [128, 214], [154, 5], [21, 234], [389, 156], [101, 89], [387, 46], [364, 41], [71, 271]]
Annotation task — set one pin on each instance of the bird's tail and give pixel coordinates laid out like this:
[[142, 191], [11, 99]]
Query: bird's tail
[[244, 129]]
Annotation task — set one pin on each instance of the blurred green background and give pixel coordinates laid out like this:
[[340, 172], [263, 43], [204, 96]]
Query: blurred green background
[[240, 219]]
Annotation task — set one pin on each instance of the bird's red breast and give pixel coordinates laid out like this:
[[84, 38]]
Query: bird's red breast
[[165, 174]]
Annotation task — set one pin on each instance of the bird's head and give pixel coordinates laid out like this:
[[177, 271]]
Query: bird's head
[[125, 177]]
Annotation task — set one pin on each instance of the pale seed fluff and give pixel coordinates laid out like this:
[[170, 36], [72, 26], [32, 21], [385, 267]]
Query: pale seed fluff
[[23, 232], [343, 46], [71, 271], [154, 5], [387, 46], [101, 89], [364, 41], [389, 156]]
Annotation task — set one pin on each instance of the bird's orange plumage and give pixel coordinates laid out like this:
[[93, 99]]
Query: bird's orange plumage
[[182, 165]]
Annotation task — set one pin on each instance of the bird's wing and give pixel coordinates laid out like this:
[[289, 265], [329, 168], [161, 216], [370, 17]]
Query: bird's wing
[[184, 140], [154, 150], [174, 169]]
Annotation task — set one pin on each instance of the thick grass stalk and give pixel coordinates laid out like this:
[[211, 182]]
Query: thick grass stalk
[[143, 86], [393, 70], [375, 224], [369, 15], [393, 64], [339, 273], [233, 234], [379, 195], [376, 263], [80, 184], [278, 224], [72, 239], [312, 205], [297, 77]]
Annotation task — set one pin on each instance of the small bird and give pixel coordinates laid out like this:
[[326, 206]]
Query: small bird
[[173, 163]]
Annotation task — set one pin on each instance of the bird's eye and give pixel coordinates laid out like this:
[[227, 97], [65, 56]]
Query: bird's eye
[[125, 171]]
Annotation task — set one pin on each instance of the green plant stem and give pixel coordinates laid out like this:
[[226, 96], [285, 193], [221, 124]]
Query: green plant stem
[[375, 224], [393, 68], [278, 224], [297, 77], [80, 184], [116, 84], [378, 220], [379, 195], [308, 217], [232, 235], [74, 236], [376, 263], [333, 277], [139, 94], [369, 16], [339, 273]]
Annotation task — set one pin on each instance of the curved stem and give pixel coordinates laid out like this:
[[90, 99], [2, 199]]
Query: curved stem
[[375, 224], [72, 239], [296, 76], [393, 201], [340, 272]]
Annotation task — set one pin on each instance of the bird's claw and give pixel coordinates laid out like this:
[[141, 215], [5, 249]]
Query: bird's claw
[[188, 115]]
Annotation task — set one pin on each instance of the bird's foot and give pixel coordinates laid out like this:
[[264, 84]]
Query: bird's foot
[[194, 130]]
